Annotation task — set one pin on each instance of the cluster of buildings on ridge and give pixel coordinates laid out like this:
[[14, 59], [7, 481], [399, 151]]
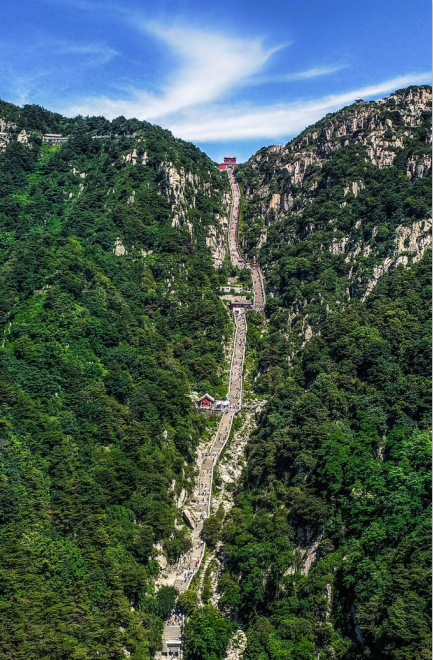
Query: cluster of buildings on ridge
[[57, 138], [54, 138]]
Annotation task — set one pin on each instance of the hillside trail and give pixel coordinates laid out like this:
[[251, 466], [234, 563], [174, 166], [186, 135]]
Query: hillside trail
[[181, 575]]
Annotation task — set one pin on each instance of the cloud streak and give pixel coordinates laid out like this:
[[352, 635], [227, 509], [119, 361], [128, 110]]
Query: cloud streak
[[219, 123], [300, 75], [314, 73], [278, 120], [97, 54], [210, 67]]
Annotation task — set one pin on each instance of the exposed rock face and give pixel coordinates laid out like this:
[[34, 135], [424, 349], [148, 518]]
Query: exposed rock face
[[310, 556], [159, 555], [135, 157], [119, 249], [185, 185], [184, 188], [359, 124], [215, 241], [314, 200], [237, 646], [275, 201], [231, 464], [22, 137], [414, 239], [5, 124], [210, 569], [411, 243]]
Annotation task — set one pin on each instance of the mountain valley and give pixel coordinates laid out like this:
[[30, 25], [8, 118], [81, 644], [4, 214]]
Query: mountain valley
[[117, 241]]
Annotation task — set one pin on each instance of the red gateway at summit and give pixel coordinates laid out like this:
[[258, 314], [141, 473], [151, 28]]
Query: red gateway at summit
[[229, 163]]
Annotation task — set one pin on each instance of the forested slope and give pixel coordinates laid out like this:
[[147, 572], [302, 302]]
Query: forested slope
[[112, 252], [110, 317], [327, 551]]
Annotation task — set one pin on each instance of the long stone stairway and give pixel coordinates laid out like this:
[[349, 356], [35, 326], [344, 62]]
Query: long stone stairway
[[199, 506], [235, 253]]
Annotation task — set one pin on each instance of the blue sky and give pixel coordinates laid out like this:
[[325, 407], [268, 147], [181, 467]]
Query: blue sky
[[229, 76]]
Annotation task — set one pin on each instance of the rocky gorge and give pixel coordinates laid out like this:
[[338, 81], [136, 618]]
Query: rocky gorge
[[115, 248]]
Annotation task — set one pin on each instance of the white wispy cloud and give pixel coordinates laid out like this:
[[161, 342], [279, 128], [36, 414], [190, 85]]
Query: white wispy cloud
[[210, 65], [95, 54], [278, 120], [217, 123], [298, 75], [315, 72]]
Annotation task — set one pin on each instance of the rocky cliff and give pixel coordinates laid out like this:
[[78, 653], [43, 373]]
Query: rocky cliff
[[327, 550], [382, 127], [196, 193], [350, 194]]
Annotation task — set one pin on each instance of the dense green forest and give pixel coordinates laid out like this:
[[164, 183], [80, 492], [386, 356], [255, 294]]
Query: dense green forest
[[99, 355], [342, 456], [327, 550], [111, 320]]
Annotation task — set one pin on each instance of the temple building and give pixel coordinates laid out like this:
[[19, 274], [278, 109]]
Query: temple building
[[206, 401], [229, 163], [55, 138]]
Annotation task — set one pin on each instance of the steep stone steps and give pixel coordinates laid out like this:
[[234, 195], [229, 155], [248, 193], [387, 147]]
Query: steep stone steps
[[199, 508], [172, 639]]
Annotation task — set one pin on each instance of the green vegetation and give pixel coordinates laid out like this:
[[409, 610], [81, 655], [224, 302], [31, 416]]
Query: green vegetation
[[110, 317], [212, 527], [207, 590], [100, 353], [387, 199], [207, 634], [342, 456], [339, 466], [188, 601]]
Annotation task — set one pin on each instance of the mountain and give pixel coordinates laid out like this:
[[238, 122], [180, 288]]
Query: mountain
[[113, 253], [327, 549], [110, 318], [351, 192]]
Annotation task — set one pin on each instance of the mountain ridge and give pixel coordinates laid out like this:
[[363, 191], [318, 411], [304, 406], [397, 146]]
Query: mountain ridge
[[327, 551], [307, 195]]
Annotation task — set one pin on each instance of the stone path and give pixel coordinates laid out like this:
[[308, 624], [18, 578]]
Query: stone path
[[235, 253], [181, 575]]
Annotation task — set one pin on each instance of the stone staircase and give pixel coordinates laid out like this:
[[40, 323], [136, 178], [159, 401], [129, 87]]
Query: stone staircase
[[172, 640], [193, 560], [199, 508]]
